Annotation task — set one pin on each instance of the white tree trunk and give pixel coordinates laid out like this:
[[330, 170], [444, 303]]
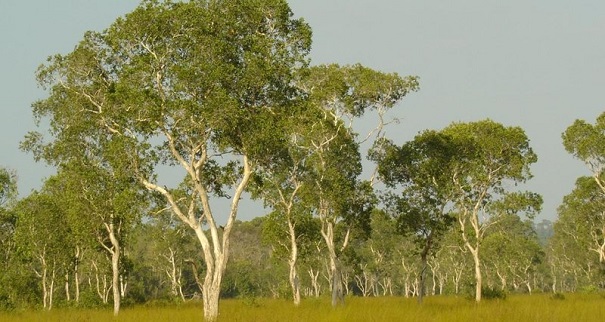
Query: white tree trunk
[[115, 272], [478, 276], [293, 275]]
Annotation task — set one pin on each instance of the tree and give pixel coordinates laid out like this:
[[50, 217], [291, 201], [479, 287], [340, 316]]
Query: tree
[[282, 187], [200, 85], [340, 94], [8, 219], [42, 233], [489, 157], [513, 252], [8, 186], [582, 217], [8, 192], [422, 170], [586, 142]]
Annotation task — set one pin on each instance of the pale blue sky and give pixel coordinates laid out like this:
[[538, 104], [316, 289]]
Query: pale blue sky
[[537, 64]]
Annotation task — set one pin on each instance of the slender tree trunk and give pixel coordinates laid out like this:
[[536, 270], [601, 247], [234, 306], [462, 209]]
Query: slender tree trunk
[[51, 290], [293, 275], [45, 287], [115, 265], [67, 294], [115, 279], [478, 276], [314, 282], [327, 232], [424, 265], [76, 274]]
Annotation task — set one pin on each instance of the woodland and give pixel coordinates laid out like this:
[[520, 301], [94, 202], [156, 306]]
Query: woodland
[[224, 97]]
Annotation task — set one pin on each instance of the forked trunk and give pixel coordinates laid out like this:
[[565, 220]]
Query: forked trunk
[[327, 231]]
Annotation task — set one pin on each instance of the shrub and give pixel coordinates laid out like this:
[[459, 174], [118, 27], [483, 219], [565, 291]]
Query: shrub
[[490, 293]]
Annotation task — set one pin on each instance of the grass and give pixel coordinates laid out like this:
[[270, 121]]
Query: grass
[[518, 308]]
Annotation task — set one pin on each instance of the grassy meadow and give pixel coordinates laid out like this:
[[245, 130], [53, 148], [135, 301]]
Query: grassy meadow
[[519, 308]]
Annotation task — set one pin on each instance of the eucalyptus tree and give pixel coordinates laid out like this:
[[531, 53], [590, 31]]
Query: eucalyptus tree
[[8, 193], [341, 94], [282, 186], [420, 196], [42, 234], [513, 252], [571, 265], [201, 85], [582, 217], [8, 186], [586, 142], [490, 159]]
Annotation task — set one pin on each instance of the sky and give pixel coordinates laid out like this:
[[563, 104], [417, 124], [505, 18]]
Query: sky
[[537, 64]]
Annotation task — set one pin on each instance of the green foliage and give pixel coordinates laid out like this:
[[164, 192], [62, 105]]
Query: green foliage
[[8, 187], [490, 293], [585, 142]]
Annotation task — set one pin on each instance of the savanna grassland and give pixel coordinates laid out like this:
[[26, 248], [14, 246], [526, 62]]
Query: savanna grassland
[[542, 307]]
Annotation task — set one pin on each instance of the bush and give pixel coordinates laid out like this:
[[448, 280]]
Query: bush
[[490, 293]]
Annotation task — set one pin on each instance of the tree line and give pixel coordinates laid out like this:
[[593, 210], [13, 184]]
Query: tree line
[[225, 93]]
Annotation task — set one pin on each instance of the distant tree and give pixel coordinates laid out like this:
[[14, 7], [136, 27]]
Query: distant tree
[[581, 220], [489, 157], [340, 95], [42, 234], [571, 266], [587, 142], [8, 192], [513, 252], [8, 220], [419, 175], [8, 186]]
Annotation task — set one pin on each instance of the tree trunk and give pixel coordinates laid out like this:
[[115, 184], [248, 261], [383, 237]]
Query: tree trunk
[[327, 231], [478, 277], [211, 300], [215, 267], [422, 282], [76, 274], [51, 287], [67, 295], [293, 275], [115, 280], [114, 251], [314, 282]]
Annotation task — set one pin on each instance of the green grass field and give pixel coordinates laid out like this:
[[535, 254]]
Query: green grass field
[[519, 308]]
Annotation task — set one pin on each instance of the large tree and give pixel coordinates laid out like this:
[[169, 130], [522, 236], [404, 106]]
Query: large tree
[[201, 85]]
